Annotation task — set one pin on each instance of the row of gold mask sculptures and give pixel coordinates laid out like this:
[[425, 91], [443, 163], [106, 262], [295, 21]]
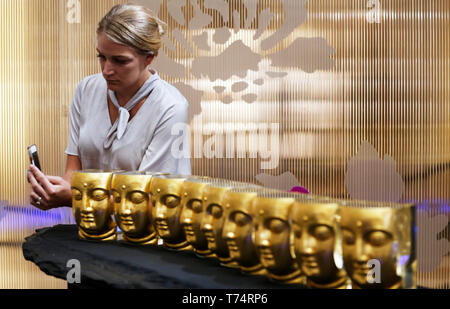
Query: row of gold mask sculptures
[[288, 237]]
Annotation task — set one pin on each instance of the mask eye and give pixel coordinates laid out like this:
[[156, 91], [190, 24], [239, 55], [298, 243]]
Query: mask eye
[[76, 194], [197, 206], [116, 197], [277, 226], [172, 201], [137, 197], [296, 230], [348, 237], [322, 232], [216, 211], [99, 194], [378, 238], [242, 219]]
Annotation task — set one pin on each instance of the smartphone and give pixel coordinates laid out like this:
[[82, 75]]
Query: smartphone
[[33, 155]]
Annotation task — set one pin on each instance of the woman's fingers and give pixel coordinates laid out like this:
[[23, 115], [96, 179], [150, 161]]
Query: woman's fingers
[[53, 190], [55, 180], [42, 180], [38, 202], [63, 190], [36, 187]]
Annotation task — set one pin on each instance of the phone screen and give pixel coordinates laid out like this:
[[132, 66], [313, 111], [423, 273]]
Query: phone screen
[[33, 155]]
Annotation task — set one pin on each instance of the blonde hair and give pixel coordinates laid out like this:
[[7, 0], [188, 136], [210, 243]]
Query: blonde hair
[[134, 26]]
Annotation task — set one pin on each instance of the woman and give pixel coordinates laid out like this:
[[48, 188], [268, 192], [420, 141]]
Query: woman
[[121, 118]]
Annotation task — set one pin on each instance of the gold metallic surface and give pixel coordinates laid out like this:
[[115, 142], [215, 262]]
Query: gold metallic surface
[[238, 229], [390, 87], [272, 237], [91, 205], [213, 220], [166, 193], [316, 243], [192, 214], [132, 207], [377, 234]]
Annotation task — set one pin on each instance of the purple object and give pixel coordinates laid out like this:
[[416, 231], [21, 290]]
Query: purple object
[[299, 189]]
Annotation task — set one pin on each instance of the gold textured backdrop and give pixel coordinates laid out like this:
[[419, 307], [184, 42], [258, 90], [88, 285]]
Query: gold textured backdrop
[[389, 87]]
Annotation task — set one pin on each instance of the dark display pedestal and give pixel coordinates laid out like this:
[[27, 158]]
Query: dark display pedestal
[[120, 265]]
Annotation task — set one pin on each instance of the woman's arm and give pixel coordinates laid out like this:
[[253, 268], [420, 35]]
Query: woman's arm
[[73, 163], [49, 192]]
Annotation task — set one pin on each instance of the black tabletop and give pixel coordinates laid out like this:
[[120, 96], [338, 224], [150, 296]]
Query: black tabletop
[[120, 265]]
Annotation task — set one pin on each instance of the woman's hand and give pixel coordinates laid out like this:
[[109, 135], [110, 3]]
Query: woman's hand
[[48, 192]]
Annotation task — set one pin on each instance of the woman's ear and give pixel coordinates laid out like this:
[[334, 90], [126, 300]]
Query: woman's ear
[[149, 59]]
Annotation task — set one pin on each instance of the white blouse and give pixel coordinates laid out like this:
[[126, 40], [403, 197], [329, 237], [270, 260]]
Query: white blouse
[[147, 142]]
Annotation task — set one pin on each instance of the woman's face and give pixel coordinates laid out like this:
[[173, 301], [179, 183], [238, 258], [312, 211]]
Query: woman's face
[[122, 67]]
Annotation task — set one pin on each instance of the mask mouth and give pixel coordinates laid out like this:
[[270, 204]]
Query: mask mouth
[[309, 262], [266, 254], [232, 246], [188, 230], [268, 261], [361, 269], [126, 220], [162, 225], [209, 235], [88, 218]]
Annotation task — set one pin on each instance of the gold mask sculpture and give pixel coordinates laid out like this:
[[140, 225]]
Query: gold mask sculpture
[[377, 244], [315, 242], [238, 229], [192, 214], [213, 218], [91, 205], [132, 208], [272, 235], [166, 192]]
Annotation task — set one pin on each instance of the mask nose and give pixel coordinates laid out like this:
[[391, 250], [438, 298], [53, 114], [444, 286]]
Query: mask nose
[[262, 238], [361, 251], [160, 211], [86, 204], [229, 230], [126, 212], [186, 216], [207, 227], [186, 221], [264, 243], [206, 223], [306, 244], [125, 209], [229, 235]]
